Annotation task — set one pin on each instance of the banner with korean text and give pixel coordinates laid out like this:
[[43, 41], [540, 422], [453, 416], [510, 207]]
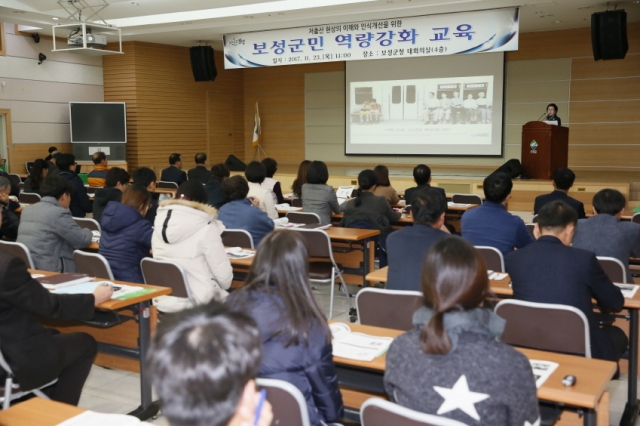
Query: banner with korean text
[[456, 33]]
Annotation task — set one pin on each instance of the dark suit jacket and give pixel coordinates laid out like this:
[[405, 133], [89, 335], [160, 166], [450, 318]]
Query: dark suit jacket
[[80, 203], [541, 200], [409, 193], [214, 191], [30, 349], [200, 174], [547, 271], [405, 252], [173, 174]]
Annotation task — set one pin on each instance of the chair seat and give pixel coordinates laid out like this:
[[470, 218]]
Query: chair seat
[[322, 270]]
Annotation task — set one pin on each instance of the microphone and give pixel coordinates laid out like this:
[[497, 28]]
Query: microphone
[[543, 114]]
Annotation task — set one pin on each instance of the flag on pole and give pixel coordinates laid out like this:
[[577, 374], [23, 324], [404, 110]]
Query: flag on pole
[[256, 128]]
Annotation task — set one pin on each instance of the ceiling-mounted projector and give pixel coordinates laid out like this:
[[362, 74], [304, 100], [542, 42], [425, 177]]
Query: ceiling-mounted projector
[[93, 40]]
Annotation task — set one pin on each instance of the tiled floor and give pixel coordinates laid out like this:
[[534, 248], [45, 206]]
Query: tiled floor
[[114, 391]]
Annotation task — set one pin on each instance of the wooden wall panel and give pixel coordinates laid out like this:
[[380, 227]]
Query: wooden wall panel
[[611, 89], [588, 68], [21, 153], [620, 111], [605, 133]]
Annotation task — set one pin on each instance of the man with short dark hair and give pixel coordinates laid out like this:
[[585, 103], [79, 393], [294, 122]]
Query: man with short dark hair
[[174, 172], [550, 271], [200, 173], [116, 181], [15, 188], [203, 363], [422, 177], [52, 150], [147, 178], [80, 203], [219, 173], [562, 181], [491, 224], [48, 229], [605, 234], [406, 247], [98, 175]]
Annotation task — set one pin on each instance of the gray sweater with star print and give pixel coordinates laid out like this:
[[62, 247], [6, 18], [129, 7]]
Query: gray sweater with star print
[[479, 382]]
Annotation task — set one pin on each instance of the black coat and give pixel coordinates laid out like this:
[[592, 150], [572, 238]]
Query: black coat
[[199, 174], [103, 196], [410, 193], [30, 349], [10, 224], [541, 200], [173, 174], [80, 203], [214, 191], [15, 188], [547, 271]]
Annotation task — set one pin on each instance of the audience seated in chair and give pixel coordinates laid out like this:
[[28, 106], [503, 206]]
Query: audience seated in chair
[[10, 221], [384, 187], [186, 231], [126, 236], [15, 188], [219, 173], [174, 172], [491, 224], [241, 212], [39, 171], [97, 177], [38, 355], [271, 166], [301, 179], [80, 203], [562, 182], [605, 234], [147, 178], [422, 177], [295, 335], [452, 363], [48, 229], [256, 173], [550, 271], [116, 182], [407, 247], [317, 196], [204, 363], [200, 173]]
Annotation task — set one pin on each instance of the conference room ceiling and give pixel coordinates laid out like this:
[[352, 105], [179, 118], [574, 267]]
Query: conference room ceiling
[[185, 22]]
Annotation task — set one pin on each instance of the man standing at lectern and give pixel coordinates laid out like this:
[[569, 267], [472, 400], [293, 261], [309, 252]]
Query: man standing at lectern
[[552, 110]]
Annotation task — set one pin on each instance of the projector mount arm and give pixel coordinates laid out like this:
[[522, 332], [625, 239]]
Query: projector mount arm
[[75, 7]]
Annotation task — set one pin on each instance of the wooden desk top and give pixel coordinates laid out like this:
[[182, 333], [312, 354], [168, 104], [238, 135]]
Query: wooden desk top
[[592, 375], [38, 411], [165, 191], [350, 234], [498, 287], [113, 305]]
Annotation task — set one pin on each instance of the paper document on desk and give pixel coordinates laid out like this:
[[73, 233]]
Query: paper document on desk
[[628, 290], [96, 236], [120, 291], [344, 192], [452, 204], [496, 276], [542, 370], [287, 207], [238, 253], [357, 346], [101, 419]]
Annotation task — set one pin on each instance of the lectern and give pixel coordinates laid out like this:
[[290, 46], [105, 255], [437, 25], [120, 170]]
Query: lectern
[[544, 148]]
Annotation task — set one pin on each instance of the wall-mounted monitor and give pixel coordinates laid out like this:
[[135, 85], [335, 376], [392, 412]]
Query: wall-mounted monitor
[[98, 122]]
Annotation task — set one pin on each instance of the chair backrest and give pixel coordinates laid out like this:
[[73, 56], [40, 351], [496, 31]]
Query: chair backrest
[[466, 199], [237, 238], [91, 224], [92, 264], [492, 257], [15, 178], [166, 273], [379, 412], [388, 308], [296, 202], [530, 228], [287, 402], [29, 197], [307, 218], [21, 186], [614, 269], [18, 250], [635, 218], [545, 326], [28, 165], [317, 242], [165, 184]]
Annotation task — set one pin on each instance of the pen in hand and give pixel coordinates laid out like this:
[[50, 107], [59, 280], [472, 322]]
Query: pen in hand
[[263, 397]]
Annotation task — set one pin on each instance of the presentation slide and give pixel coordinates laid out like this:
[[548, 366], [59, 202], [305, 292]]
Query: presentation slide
[[448, 106]]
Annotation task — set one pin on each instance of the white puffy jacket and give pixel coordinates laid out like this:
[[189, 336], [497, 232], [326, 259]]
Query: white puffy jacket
[[188, 233]]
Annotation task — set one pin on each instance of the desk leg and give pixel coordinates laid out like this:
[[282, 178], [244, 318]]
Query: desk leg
[[147, 408], [590, 418], [631, 409], [365, 263]]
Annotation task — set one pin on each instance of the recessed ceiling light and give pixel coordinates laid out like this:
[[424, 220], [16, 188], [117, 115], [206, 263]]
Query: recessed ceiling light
[[135, 3], [55, 19], [556, 22]]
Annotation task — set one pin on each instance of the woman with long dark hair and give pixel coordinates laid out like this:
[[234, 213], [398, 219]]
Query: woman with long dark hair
[[37, 174], [301, 179], [384, 188], [452, 363], [295, 335]]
